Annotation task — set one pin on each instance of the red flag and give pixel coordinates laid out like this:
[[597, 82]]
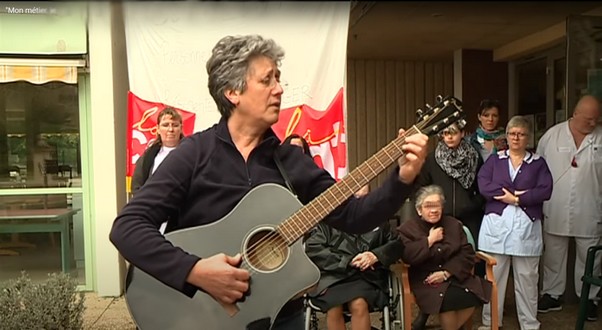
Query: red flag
[[324, 131], [142, 127]]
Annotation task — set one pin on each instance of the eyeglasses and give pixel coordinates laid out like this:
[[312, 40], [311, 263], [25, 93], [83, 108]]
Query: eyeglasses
[[168, 125], [519, 135]]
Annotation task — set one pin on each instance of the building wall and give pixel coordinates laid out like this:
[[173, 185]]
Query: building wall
[[383, 96], [481, 78], [108, 85]]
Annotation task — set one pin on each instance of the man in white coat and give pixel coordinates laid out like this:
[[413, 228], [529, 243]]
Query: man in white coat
[[573, 151]]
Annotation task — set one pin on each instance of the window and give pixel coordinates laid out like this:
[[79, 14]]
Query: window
[[41, 204], [39, 138]]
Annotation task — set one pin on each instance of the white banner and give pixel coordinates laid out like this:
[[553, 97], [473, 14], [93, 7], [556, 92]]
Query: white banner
[[168, 44]]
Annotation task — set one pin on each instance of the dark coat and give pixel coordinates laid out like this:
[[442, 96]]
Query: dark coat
[[466, 205], [332, 251], [453, 254], [144, 166]]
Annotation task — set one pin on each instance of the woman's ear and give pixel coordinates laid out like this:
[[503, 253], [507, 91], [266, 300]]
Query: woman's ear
[[233, 96]]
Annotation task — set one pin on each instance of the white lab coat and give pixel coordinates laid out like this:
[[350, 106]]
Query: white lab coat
[[575, 208]]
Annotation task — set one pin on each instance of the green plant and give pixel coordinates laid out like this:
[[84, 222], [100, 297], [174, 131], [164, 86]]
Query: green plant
[[53, 304]]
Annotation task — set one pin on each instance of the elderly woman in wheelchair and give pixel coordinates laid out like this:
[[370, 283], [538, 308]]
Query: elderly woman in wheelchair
[[354, 272], [441, 262]]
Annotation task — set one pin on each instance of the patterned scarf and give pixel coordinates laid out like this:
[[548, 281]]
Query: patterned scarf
[[498, 137], [459, 163]]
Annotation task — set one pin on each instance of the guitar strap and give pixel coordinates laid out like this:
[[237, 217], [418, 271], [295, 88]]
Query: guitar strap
[[287, 181]]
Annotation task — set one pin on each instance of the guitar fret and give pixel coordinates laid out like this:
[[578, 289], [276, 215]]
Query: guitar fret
[[385, 151], [293, 226], [356, 183], [371, 169], [329, 203], [284, 232], [379, 162]]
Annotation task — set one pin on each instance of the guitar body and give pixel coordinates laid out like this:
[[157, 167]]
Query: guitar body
[[279, 271]]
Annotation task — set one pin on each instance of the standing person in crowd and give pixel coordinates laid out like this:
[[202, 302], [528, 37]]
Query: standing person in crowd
[[441, 261], [169, 135], [515, 183], [573, 150], [453, 166], [354, 271], [211, 171], [489, 137]]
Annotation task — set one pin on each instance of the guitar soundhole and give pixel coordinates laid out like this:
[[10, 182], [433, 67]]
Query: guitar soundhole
[[266, 250]]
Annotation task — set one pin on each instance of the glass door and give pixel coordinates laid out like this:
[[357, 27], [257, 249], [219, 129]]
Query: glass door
[[540, 90], [532, 94], [584, 39]]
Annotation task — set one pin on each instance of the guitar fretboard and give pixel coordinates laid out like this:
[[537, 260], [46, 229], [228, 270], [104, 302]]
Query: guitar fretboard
[[312, 213]]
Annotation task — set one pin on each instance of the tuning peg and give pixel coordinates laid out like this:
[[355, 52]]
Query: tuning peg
[[419, 113], [439, 98]]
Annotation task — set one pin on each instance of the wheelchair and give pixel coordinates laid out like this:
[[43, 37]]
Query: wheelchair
[[389, 315]]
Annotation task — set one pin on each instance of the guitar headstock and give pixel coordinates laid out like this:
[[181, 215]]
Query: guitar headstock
[[435, 119]]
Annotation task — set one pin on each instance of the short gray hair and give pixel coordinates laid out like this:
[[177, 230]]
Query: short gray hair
[[520, 122], [228, 65], [427, 191]]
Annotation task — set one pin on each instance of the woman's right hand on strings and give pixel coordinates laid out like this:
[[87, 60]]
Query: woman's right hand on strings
[[220, 276]]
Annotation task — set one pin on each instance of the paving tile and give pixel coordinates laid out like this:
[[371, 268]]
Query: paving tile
[[111, 313]]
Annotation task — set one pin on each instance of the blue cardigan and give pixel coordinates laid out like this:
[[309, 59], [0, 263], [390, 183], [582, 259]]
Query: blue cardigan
[[534, 176]]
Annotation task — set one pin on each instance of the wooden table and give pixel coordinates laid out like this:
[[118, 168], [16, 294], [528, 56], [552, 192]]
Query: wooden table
[[42, 221]]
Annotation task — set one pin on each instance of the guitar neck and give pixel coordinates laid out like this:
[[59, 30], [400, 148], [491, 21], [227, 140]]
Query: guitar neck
[[312, 213]]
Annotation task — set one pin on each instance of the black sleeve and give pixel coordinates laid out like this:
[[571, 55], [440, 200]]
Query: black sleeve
[[135, 230], [139, 177], [319, 248]]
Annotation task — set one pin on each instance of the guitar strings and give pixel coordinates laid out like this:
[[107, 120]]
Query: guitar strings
[[274, 235]]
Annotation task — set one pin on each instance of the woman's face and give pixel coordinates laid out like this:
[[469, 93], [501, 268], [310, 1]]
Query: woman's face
[[452, 139], [170, 131], [517, 138], [489, 119], [431, 209], [259, 104]]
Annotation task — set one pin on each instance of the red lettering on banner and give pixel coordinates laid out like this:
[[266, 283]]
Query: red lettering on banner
[[324, 131]]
